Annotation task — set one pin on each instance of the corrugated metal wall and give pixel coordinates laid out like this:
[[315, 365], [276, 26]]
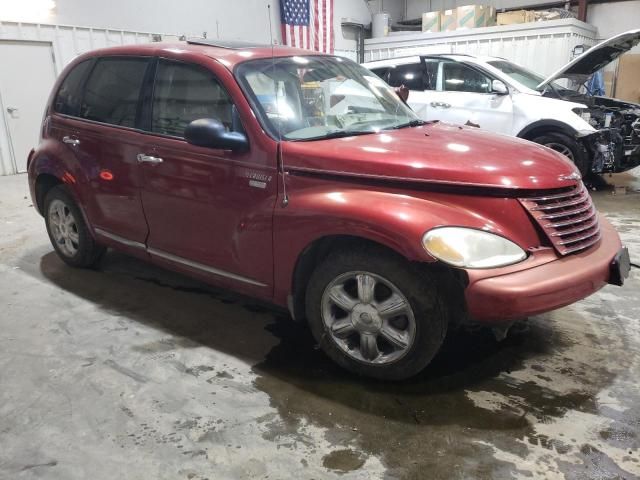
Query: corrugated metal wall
[[67, 42], [540, 46], [70, 41]]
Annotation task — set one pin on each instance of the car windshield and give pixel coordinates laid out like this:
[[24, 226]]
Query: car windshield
[[316, 97], [522, 75]]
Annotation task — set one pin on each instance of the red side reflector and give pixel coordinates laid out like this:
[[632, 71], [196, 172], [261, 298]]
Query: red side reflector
[[106, 175], [68, 178]]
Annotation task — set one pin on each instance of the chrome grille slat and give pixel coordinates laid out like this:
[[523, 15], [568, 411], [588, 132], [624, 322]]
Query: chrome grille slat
[[572, 193], [568, 218], [568, 203], [576, 239], [595, 239], [574, 220], [582, 228]]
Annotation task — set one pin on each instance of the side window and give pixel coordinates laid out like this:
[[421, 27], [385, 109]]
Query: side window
[[112, 91], [382, 72], [410, 75], [69, 95], [458, 77], [184, 93]]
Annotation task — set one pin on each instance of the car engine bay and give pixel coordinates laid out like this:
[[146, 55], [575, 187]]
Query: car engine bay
[[616, 144]]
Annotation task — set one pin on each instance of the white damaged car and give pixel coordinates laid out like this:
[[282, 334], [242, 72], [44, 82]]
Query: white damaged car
[[598, 134]]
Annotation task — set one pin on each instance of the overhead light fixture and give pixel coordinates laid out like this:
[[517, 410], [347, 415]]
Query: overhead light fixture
[[27, 10]]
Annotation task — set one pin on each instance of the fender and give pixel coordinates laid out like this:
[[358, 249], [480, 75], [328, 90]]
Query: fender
[[548, 124], [60, 163], [390, 217]]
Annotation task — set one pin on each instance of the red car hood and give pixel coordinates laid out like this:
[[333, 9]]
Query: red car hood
[[436, 153]]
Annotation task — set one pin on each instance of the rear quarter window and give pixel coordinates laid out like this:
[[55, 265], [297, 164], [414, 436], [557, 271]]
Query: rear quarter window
[[410, 75], [112, 91], [69, 94], [381, 72]]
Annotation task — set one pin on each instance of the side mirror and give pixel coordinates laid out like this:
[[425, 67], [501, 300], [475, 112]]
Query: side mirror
[[499, 88], [209, 132]]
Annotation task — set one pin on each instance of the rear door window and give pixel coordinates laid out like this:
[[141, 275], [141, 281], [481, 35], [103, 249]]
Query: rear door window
[[411, 75], [113, 90], [183, 93], [69, 95]]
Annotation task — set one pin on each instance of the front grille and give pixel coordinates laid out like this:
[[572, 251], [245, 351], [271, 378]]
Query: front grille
[[567, 216]]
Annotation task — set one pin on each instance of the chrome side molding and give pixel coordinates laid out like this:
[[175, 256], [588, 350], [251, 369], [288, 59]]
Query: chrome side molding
[[179, 260]]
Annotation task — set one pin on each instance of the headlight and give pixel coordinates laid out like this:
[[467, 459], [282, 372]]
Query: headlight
[[583, 113], [470, 248]]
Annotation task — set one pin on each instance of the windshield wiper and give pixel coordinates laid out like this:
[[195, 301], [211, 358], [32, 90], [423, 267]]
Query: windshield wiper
[[337, 134], [412, 123]]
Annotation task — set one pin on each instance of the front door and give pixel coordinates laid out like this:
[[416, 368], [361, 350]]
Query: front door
[[23, 64], [464, 96], [209, 210]]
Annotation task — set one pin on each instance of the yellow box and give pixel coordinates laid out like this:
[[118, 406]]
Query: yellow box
[[448, 20], [517, 16], [431, 21]]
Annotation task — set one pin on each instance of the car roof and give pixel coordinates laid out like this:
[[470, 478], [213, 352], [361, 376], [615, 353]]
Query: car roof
[[459, 57], [229, 53]]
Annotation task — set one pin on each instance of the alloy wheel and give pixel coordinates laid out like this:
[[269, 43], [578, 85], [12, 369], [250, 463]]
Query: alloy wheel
[[560, 148], [368, 317], [64, 228]]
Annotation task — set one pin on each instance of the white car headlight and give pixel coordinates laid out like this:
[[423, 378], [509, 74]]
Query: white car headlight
[[470, 248]]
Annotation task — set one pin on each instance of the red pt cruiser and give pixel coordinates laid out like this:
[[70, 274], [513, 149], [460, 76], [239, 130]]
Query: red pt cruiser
[[303, 180]]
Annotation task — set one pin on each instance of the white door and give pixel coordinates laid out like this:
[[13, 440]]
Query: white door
[[27, 74], [464, 96]]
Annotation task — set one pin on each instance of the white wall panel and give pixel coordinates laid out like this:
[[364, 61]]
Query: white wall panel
[[67, 43], [541, 46]]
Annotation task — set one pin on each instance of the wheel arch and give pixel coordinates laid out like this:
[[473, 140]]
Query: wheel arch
[[321, 247], [43, 184], [541, 127]]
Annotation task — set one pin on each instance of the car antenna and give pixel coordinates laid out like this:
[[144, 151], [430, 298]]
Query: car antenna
[[283, 174]]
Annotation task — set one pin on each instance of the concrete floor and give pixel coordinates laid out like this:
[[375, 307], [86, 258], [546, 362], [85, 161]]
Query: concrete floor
[[135, 372]]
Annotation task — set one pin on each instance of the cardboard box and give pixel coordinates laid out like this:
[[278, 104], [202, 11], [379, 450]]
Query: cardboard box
[[431, 21], [627, 87], [517, 16], [490, 16], [471, 16], [448, 20]]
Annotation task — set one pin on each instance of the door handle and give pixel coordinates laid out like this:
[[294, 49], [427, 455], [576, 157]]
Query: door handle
[[71, 141], [11, 109], [440, 104], [142, 158]]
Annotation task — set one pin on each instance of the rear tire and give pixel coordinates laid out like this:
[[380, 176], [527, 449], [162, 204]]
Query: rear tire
[[68, 231], [375, 314], [569, 147]]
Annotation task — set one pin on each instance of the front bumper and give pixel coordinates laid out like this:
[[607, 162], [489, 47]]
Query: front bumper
[[544, 287]]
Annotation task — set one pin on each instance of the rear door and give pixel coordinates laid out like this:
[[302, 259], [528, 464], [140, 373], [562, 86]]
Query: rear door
[[209, 210], [464, 96], [96, 115], [420, 81]]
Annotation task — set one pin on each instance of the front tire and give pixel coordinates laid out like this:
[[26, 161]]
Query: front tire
[[68, 231], [569, 147], [375, 314]]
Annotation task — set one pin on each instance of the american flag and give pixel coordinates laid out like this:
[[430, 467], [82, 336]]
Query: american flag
[[307, 24]]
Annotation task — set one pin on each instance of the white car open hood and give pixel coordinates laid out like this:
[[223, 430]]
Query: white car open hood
[[581, 67]]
